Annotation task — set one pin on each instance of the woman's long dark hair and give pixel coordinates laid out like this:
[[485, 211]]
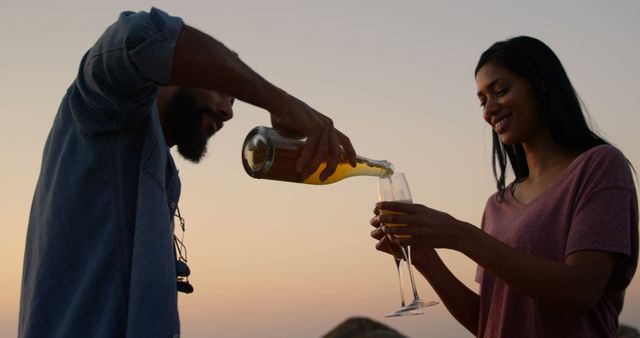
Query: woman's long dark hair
[[556, 98]]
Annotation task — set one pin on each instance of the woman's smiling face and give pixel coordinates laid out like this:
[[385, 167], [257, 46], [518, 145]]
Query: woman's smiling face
[[509, 104]]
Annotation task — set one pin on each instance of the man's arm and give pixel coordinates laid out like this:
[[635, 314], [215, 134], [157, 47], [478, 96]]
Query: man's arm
[[202, 61]]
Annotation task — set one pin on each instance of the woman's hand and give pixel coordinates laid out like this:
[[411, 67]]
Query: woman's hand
[[385, 244], [427, 228]]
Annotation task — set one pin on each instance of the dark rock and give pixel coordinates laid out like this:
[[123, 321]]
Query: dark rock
[[360, 327], [626, 331]]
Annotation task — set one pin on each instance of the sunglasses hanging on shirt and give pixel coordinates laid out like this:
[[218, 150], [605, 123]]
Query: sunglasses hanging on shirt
[[182, 269]]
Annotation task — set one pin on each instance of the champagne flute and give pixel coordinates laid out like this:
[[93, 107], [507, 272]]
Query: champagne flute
[[395, 188], [385, 193]]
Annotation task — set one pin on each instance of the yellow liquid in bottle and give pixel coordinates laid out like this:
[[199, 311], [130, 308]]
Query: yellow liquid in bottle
[[344, 169], [278, 163]]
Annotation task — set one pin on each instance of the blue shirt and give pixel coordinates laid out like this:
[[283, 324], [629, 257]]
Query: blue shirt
[[99, 257]]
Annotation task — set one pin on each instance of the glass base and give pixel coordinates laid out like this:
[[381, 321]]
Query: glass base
[[403, 313], [412, 309]]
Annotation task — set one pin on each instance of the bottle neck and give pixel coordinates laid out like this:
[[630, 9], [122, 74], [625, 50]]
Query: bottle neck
[[375, 163], [372, 167]]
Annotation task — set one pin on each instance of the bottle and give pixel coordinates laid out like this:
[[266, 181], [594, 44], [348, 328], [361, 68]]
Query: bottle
[[268, 155]]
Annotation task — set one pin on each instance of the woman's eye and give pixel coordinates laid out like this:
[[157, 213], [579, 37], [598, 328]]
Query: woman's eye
[[502, 90]]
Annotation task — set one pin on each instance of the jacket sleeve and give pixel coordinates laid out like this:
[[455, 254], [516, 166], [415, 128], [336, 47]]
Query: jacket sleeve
[[118, 79]]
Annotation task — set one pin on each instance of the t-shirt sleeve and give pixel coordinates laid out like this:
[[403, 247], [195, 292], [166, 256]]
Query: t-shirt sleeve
[[606, 214], [118, 79]]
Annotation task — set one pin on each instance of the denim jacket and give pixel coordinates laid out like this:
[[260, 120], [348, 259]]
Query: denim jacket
[[99, 257]]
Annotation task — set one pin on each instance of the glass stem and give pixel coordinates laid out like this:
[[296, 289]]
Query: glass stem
[[399, 268], [413, 283]]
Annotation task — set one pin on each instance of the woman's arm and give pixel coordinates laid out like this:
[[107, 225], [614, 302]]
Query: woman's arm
[[573, 286], [461, 302]]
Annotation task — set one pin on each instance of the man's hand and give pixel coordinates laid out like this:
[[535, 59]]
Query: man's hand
[[323, 140]]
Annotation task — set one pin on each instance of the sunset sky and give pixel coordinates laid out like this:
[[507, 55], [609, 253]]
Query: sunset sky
[[273, 259]]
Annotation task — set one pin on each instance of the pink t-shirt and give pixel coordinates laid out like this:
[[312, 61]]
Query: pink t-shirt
[[591, 206]]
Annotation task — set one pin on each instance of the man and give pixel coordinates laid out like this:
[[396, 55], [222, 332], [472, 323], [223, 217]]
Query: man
[[99, 258]]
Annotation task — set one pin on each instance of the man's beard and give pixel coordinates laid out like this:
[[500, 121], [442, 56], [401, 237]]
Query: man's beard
[[185, 123]]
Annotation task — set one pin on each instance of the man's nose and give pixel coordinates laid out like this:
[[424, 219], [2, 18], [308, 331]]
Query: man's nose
[[226, 109]]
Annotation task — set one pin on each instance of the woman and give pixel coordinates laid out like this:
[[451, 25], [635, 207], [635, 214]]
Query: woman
[[559, 244]]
